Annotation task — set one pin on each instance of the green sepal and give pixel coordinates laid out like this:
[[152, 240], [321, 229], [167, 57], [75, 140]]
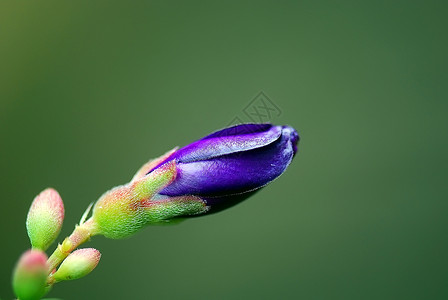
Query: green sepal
[[166, 210], [121, 211]]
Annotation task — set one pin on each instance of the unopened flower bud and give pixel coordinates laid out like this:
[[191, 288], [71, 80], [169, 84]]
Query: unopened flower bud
[[228, 165], [210, 174], [45, 218], [78, 264], [30, 275]]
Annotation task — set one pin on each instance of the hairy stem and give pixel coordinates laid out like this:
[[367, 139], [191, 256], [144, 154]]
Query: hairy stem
[[81, 234]]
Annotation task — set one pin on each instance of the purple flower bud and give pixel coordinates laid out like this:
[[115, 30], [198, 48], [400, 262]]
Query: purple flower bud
[[227, 166]]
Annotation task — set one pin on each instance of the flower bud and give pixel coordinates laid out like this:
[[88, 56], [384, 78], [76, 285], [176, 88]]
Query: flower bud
[[227, 166], [30, 275], [78, 264], [44, 220], [215, 172]]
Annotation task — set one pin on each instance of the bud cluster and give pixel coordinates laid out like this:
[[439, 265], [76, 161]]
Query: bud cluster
[[34, 275]]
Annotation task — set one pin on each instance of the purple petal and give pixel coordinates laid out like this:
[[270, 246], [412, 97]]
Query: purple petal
[[240, 129], [235, 172], [223, 142], [293, 135], [234, 139]]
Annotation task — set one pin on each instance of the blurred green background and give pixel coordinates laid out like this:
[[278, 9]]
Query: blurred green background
[[90, 91]]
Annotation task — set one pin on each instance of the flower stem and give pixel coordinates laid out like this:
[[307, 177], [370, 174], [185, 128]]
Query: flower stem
[[81, 234]]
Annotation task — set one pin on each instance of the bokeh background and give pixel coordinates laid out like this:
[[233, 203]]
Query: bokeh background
[[90, 91]]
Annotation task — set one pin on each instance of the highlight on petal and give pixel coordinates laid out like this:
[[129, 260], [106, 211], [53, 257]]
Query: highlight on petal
[[78, 264], [44, 220], [30, 275], [222, 143]]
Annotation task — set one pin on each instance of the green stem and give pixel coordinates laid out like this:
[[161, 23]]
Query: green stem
[[81, 234]]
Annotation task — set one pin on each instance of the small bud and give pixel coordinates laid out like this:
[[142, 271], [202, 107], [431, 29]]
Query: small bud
[[30, 275], [45, 218], [78, 264]]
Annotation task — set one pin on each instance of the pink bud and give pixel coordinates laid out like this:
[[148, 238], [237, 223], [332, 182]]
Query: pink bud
[[30, 275], [78, 264], [45, 218]]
